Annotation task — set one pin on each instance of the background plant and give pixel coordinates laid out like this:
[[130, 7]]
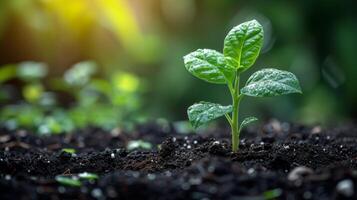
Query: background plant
[[78, 99], [241, 48]]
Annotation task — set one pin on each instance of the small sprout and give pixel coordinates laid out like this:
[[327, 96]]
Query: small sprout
[[68, 181], [88, 176], [69, 150], [138, 144], [241, 48], [272, 194]]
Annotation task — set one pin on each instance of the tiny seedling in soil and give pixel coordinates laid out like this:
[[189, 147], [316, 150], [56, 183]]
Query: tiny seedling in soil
[[138, 144], [68, 181], [75, 180], [241, 48], [88, 176], [69, 150]]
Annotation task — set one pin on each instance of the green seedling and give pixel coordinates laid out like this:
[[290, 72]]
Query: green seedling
[[138, 144], [88, 176], [71, 181], [69, 150], [76, 179], [241, 48]]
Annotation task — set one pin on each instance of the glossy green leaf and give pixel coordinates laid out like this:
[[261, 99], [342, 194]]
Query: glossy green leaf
[[203, 112], [88, 176], [243, 43], [209, 65], [247, 121], [69, 150], [271, 82], [68, 181]]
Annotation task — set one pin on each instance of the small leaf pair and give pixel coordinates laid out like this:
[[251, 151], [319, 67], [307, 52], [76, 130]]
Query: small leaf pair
[[241, 49]]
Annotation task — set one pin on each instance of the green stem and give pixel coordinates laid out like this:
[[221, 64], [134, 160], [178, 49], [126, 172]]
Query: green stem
[[235, 124]]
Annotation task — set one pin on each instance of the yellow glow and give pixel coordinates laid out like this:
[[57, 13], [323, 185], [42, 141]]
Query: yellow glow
[[32, 93], [126, 82], [122, 21], [75, 15]]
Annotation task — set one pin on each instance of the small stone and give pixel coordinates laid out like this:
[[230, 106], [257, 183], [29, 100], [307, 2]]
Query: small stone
[[216, 143], [7, 177], [298, 173], [151, 176], [97, 193], [316, 130], [345, 187], [112, 155], [251, 171]]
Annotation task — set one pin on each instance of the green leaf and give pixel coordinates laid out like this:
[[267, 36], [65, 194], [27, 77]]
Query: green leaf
[[30, 71], [80, 73], [271, 82], [88, 176], [68, 181], [243, 43], [69, 150], [138, 144], [247, 121], [209, 65], [203, 112]]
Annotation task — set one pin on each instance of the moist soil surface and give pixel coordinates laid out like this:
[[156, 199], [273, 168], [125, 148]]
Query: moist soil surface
[[275, 161]]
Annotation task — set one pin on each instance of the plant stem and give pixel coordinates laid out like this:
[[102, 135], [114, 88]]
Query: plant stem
[[235, 124]]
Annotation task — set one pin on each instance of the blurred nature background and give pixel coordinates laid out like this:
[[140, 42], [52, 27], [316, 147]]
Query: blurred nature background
[[68, 64]]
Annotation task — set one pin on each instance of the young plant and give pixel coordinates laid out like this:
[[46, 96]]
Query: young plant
[[241, 48]]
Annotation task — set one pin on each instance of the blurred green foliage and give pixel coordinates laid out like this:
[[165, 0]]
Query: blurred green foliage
[[96, 101], [133, 38]]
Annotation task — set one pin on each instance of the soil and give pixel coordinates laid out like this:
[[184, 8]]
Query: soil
[[275, 161]]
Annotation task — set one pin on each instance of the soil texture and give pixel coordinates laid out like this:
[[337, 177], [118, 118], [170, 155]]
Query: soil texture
[[275, 161]]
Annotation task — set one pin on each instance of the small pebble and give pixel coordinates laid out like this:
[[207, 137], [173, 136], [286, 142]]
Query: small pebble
[[216, 143], [299, 172], [316, 130], [151, 176], [112, 155], [345, 187], [97, 193], [7, 177], [251, 171]]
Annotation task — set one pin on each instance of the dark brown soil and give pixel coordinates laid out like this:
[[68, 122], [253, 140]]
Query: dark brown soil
[[275, 161]]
